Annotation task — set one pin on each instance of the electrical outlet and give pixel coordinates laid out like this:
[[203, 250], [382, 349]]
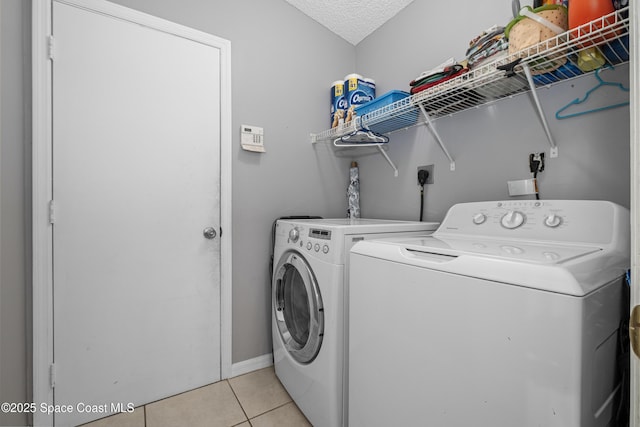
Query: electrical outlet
[[536, 162], [428, 168]]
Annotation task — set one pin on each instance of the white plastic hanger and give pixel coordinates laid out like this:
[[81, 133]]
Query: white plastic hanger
[[363, 138]]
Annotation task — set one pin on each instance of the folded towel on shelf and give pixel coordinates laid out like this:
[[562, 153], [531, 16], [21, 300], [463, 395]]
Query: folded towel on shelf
[[494, 57], [437, 69], [491, 42], [437, 76], [435, 79]]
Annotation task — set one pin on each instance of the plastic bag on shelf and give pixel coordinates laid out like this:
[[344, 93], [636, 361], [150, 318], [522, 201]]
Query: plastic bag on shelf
[[533, 26]]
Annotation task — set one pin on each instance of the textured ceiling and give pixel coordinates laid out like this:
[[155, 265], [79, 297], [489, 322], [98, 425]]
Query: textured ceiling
[[352, 20]]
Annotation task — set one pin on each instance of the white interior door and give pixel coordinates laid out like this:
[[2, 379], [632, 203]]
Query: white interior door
[[136, 167]]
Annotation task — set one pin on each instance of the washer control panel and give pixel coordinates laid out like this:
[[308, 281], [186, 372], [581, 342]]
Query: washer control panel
[[517, 215], [557, 220]]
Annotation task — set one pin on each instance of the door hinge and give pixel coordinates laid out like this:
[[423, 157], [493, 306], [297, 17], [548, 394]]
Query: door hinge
[[52, 375], [50, 47], [52, 212]]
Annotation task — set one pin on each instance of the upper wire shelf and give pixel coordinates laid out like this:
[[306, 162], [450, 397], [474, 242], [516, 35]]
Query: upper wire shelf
[[550, 61]]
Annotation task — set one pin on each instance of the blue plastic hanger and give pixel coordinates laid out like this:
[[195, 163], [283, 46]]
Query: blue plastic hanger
[[577, 101]]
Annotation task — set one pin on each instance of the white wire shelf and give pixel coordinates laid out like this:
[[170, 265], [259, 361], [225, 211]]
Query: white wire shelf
[[551, 61]]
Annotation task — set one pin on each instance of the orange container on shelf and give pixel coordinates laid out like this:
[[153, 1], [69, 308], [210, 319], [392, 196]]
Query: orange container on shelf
[[584, 11]]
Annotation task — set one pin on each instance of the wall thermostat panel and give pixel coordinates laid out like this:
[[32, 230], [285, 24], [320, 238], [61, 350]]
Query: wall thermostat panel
[[252, 138]]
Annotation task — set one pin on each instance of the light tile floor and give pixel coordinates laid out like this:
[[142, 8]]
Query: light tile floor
[[256, 399]]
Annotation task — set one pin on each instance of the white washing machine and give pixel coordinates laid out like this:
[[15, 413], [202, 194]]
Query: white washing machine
[[508, 315], [308, 299]]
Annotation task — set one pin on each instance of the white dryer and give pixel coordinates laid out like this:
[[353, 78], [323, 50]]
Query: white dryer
[[508, 315], [309, 290]]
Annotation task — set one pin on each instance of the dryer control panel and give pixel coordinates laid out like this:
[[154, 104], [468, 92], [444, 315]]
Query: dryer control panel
[[320, 233], [577, 221], [313, 240]]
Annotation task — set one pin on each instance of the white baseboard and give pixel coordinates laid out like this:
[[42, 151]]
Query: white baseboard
[[251, 365]]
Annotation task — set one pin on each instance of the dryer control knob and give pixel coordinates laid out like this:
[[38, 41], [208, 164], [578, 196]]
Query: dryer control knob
[[512, 219], [294, 234], [553, 220]]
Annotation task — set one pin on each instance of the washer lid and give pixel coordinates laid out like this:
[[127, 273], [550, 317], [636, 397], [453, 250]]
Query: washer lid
[[520, 251], [564, 269]]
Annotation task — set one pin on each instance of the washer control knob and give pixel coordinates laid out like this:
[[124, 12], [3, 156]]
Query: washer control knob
[[479, 218], [294, 234], [553, 220], [309, 246], [316, 247], [325, 249], [512, 219]]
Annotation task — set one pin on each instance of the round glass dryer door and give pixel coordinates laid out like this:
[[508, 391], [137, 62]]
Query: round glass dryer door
[[298, 308]]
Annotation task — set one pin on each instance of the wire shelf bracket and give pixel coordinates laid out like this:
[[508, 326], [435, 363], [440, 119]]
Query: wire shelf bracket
[[553, 151], [388, 159], [429, 124]]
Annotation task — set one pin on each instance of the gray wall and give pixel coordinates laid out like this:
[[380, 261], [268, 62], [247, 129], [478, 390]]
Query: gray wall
[[490, 145], [14, 206]]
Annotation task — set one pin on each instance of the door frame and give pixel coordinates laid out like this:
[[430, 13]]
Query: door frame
[[42, 268], [634, 110]]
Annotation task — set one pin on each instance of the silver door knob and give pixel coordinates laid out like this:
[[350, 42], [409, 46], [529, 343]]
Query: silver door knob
[[209, 233]]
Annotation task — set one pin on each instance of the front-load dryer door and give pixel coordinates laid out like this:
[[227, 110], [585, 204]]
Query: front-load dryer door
[[297, 307]]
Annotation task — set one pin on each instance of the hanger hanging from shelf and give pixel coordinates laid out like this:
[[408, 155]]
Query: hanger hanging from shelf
[[560, 113], [360, 138], [364, 138]]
